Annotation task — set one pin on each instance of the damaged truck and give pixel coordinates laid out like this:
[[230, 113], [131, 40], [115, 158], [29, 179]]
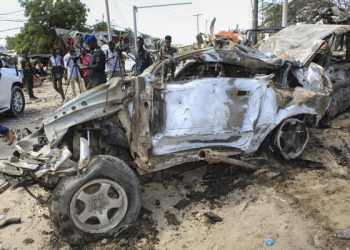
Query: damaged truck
[[211, 105]]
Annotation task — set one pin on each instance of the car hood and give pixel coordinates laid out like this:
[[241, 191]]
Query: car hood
[[98, 102], [299, 42]]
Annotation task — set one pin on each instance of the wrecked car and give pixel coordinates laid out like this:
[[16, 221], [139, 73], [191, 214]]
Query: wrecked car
[[325, 45], [216, 106]]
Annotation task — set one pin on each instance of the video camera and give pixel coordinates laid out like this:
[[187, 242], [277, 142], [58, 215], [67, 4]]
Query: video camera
[[74, 57]]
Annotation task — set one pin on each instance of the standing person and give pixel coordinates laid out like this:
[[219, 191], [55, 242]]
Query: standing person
[[85, 59], [112, 60], [10, 137], [143, 57], [72, 64], [167, 50], [57, 72], [97, 64], [28, 72]]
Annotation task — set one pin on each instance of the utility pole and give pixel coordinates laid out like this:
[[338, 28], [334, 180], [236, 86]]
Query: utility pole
[[135, 9], [255, 10], [108, 22], [285, 14], [197, 15], [206, 26]]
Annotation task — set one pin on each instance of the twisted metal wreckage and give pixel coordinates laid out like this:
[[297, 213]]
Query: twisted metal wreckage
[[219, 106]]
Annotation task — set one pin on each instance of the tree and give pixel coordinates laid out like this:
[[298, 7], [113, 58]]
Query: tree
[[300, 11], [37, 35], [99, 26]]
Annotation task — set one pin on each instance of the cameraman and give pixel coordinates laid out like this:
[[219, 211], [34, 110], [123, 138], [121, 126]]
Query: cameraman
[[56, 64], [72, 64]]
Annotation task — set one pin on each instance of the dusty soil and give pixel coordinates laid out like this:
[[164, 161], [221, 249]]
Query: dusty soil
[[298, 204]]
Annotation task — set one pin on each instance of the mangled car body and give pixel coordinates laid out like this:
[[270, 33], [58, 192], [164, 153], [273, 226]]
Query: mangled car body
[[219, 106]]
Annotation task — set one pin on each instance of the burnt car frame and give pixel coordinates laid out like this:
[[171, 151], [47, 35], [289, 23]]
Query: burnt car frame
[[212, 105]]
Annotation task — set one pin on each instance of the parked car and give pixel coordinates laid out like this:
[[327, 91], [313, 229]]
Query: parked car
[[12, 100], [219, 106]]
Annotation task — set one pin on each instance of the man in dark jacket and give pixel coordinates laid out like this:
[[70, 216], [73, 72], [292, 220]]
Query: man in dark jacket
[[97, 64], [28, 72], [143, 57]]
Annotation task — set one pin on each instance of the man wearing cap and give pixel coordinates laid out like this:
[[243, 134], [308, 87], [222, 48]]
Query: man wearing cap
[[97, 63], [143, 57], [167, 50], [56, 63], [28, 72], [112, 60]]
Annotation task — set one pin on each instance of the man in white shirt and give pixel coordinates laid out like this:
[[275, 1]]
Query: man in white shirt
[[57, 72], [72, 64], [112, 61]]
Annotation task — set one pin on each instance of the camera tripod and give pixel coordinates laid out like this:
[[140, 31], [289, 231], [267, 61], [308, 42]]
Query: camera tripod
[[75, 70]]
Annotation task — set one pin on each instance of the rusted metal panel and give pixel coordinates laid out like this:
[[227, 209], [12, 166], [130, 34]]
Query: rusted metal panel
[[299, 42]]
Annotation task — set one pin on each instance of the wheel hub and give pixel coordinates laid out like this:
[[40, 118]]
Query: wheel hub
[[98, 202], [292, 138], [98, 206]]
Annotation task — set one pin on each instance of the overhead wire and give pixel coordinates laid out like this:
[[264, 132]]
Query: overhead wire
[[8, 13], [10, 29]]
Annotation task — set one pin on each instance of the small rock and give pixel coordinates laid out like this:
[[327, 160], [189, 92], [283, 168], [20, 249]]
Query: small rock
[[6, 209], [104, 241], [157, 202], [28, 241], [182, 204], [45, 216], [212, 218], [142, 242], [171, 219], [46, 232]]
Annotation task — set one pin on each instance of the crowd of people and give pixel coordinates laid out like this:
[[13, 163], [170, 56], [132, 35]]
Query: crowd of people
[[87, 70]]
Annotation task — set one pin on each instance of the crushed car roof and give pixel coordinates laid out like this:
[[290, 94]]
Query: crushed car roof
[[299, 42]]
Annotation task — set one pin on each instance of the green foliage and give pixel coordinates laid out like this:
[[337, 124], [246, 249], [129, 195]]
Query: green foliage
[[37, 35], [99, 26], [299, 10]]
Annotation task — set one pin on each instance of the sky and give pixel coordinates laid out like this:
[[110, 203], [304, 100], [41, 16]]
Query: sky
[[177, 21]]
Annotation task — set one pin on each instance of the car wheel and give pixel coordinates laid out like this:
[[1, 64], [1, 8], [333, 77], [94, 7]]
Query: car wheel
[[102, 202], [291, 138], [17, 102]]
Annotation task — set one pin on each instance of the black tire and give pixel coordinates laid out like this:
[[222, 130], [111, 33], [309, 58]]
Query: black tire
[[291, 138], [101, 168], [17, 102]]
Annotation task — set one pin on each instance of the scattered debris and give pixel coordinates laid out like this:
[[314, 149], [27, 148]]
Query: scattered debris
[[212, 218], [182, 204], [245, 203], [343, 234], [4, 185], [171, 219], [10, 222], [269, 242]]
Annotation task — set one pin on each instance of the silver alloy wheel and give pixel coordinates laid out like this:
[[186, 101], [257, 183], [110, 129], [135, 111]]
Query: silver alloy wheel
[[292, 137], [17, 101], [98, 206]]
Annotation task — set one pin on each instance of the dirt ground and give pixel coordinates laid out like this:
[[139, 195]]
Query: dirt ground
[[297, 204]]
